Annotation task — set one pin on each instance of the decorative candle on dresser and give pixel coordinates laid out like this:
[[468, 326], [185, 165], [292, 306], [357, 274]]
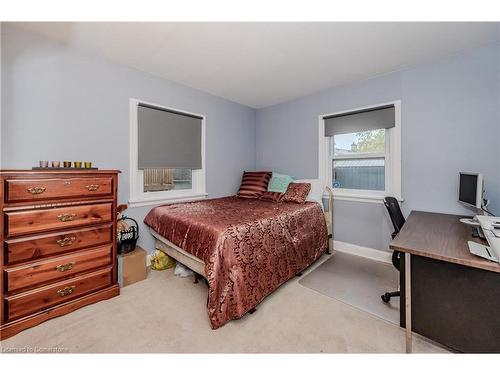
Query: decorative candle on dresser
[[58, 244]]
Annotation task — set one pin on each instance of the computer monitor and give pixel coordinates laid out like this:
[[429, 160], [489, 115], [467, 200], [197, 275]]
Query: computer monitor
[[470, 189]]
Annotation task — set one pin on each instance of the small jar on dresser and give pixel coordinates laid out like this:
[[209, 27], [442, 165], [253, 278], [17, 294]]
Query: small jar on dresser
[[58, 243]]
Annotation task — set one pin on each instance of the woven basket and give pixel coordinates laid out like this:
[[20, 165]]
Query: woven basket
[[127, 239]]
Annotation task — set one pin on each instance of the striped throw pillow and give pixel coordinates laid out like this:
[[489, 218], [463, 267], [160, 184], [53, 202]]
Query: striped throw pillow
[[272, 196], [254, 184]]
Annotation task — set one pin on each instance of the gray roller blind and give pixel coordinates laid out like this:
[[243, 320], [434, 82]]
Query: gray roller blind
[[358, 121], [168, 139]]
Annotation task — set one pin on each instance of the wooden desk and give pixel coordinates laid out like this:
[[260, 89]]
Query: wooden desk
[[447, 294]]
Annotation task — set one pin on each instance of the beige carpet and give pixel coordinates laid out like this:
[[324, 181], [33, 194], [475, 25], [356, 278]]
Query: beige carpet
[[359, 282], [168, 314]]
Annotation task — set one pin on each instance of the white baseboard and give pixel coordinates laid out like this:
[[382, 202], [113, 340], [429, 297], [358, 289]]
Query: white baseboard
[[366, 252]]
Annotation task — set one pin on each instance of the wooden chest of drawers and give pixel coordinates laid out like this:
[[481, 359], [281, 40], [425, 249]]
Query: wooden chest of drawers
[[58, 244]]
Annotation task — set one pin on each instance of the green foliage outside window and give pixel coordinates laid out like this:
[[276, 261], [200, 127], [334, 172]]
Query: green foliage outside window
[[371, 141]]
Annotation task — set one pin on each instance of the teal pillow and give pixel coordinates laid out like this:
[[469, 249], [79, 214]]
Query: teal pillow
[[279, 183]]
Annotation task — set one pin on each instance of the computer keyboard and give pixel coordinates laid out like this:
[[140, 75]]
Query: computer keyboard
[[482, 251], [492, 236]]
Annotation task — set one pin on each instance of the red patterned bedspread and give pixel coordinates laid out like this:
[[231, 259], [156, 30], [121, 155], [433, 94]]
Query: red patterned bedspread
[[250, 247]]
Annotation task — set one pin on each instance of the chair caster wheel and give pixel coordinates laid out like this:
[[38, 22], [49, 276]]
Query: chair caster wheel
[[385, 297]]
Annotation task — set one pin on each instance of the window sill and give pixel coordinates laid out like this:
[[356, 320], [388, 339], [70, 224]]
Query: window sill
[[140, 202], [364, 198]]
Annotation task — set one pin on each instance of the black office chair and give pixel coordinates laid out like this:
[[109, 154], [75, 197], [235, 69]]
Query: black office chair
[[398, 221]]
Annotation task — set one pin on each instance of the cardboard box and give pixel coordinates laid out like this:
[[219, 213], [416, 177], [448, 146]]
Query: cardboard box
[[132, 267]]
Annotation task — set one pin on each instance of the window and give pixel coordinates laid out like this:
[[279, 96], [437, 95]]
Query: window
[[358, 160], [167, 152], [166, 179], [360, 153]]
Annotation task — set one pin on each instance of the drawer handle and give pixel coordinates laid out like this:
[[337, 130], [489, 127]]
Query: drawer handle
[[36, 190], [66, 217], [92, 187], [66, 291], [66, 241], [65, 267]]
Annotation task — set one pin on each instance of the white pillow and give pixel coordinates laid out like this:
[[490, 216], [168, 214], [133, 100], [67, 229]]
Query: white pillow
[[316, 193]]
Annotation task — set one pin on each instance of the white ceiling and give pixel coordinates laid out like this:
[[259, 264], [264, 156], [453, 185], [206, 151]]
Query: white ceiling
[[261, 64]]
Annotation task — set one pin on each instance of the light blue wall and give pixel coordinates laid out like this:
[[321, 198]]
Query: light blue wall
[[59, 103], [450, 123]]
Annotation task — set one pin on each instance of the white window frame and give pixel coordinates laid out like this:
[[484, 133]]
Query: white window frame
[[137, 195], [392, 160]]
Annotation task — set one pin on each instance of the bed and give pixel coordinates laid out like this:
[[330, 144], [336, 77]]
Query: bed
[[245, 248]]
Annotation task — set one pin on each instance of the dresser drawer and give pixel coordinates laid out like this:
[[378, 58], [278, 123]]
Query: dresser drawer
[[51, 295], [57, 188], [33, 221], [55, 269], [43, 246]]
